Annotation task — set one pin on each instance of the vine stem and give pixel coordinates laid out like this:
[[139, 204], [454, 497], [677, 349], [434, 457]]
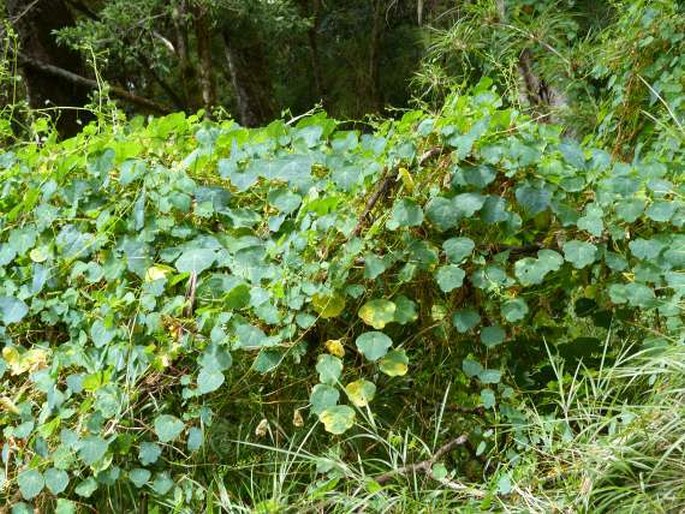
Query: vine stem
[[426, 467]]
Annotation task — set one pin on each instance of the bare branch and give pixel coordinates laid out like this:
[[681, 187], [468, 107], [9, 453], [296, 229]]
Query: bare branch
[[75, 78]]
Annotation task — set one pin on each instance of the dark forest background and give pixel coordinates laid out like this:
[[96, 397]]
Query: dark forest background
[[591, 65]]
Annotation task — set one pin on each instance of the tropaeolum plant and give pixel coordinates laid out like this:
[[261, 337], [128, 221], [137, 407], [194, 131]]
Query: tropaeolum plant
[[144, 262]]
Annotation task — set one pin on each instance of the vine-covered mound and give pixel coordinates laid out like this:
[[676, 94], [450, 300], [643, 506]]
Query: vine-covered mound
[[141, 264]]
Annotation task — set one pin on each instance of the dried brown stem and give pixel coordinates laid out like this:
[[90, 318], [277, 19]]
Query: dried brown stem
[[426, 466]]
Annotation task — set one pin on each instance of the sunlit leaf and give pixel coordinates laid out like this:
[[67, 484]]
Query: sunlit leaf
[[360, 392], [378, 313], [394, 363], [337, 420]]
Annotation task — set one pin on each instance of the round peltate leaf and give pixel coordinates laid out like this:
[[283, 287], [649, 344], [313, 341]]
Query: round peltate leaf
[[323, 397], [487, 398], [328, 306], [405, 311], [465, 319], [139, 477], [12, 310], [378, 313], [471, 368], [373, 345], [466, 204], [149, 453], [405, 213], [337, 420], [580, 253], [195, 439], [329, 369], [492, 336], [57, 480], [490, 376], [195, 260], [87, 487], [209, 379], [360, 392], [162, 484], [395, 363], [514, 310], [65, 507], [92, 449], [101, 334], [441, 213], [168, 427], [30, 483], [458, 248], [449, 277]]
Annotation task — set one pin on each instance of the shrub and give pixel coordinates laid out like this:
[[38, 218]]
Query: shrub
[[146, 268]]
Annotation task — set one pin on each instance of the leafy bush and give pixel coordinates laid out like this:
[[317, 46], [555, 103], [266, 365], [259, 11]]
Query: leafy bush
[[147, 268]]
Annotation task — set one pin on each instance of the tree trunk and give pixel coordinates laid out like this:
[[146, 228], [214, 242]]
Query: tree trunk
[[35, 21], [247, 70], [534, 90], [376, 93], [314, 50], [204, 54], [178, 16]]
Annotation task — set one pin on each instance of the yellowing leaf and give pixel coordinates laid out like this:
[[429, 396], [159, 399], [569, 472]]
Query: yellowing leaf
[[407, 179], [335, 347], [8, 405], [262, 428], [156, 272], [29, 361], [394, 363], [328, 306], [297, 418], [360, 392], [338, 419], [378, 313], [39, 254]]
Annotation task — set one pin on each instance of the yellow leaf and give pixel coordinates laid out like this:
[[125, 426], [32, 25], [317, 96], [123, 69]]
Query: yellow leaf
[[39, 254], [407, 179], [337, 419], [335, 347], [360, 392], [262, 428], [8, 405], [328, 306], [156, 272], [395, 363], [378, 313], [19, 363], [297, 418]]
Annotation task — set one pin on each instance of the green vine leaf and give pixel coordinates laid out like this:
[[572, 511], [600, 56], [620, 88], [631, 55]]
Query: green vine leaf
[[373, 345]]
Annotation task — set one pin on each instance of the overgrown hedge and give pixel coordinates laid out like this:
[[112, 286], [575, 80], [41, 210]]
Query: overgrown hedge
[[142, 265]]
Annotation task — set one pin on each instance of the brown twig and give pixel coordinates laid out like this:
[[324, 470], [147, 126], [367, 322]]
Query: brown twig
[[190, 294], [429, 154], [426, 466], [384, 187]]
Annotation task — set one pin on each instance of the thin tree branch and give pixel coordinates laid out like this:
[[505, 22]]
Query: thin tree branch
[[116, 91], [384, 187], [426, 467]]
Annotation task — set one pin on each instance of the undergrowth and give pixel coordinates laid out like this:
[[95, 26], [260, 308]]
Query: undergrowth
[[459, 311]]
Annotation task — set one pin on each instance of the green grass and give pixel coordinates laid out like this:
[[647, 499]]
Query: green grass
[[605, 440]]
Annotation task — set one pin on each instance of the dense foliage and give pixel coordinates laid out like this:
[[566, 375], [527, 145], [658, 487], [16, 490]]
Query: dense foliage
[[163, 279]]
